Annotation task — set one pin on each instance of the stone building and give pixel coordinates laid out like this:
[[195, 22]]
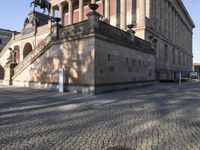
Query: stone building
[[164, 23], [96, 56], [99, 50], [5, 36]]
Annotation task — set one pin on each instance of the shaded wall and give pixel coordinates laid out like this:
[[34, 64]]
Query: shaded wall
[[118, 66], [76, 56]]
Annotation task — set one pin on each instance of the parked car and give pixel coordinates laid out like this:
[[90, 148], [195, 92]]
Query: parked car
[[194, 75]]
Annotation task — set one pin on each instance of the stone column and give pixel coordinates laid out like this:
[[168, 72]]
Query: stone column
[[70, 12], [182, 35], [171, 22], [174, 25], [162, 23], [51, 15], [164, 17], [141, 12], [179, 31], [151, 12], [123, 8], [168, 22], [176, 28], [158, 15], [155, 24], [81, 10], [107, 10], [61, 13]]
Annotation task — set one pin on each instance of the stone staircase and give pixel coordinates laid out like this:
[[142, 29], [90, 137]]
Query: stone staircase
[[33, 55]]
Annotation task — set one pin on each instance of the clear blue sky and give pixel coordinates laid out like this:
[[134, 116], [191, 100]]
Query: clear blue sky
[[13, 13]]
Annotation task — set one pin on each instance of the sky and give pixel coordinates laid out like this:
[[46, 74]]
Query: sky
[[14, 12]]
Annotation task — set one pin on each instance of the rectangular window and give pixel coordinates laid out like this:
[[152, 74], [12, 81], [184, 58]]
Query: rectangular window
[[108, 57], [166, 53], [179, 58], [155, 47], [0, 41], [173, 56], [126, 60]]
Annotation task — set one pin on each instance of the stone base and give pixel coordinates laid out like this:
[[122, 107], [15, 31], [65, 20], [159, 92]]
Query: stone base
[[47, 86], [9, 72], [122, 86], [6, 82], [85, 88]]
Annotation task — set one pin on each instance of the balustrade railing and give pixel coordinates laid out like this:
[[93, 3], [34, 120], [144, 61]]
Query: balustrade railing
[[33, 54]]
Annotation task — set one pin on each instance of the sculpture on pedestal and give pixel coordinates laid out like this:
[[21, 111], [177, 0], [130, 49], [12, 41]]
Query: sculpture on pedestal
[[44, 4], [12, 58]]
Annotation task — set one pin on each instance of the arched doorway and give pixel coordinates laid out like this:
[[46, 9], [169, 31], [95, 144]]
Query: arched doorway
[[1, 73], [27, 49], [17, 51]]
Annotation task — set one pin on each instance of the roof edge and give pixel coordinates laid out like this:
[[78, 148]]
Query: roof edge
[[11, 31], [186, 12]]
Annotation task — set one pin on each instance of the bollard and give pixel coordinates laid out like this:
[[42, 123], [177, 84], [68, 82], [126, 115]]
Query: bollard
[[179, 78], [61, 80]]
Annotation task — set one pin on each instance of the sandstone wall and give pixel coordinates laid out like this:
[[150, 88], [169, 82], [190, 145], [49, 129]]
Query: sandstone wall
[[76, 56], [118, 66]]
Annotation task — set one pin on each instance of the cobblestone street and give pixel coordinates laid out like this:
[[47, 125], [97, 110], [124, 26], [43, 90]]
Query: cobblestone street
[[160, 117]]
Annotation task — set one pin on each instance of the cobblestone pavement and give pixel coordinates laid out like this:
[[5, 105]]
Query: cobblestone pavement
[[160, 117]]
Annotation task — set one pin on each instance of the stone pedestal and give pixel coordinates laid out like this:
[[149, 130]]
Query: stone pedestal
[[9, 72], [93, 17]]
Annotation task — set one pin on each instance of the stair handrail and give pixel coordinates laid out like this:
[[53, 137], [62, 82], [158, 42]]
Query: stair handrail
[[35, 52]]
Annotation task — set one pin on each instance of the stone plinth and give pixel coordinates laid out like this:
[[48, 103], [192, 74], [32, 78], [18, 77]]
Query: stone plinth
[[9, 72]]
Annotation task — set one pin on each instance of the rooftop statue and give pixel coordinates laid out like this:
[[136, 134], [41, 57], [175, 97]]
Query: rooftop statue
[[44, 4]]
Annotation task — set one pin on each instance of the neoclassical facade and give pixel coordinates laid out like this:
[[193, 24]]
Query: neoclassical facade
[[122, 44], [170, 29], [94, 56], [164, 23]]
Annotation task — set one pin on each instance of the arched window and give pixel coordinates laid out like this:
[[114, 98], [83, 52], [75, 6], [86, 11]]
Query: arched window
[[27, 49]]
